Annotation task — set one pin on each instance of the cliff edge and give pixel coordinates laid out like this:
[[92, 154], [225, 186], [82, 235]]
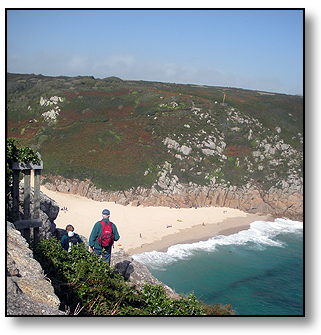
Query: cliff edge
[[29, 291]]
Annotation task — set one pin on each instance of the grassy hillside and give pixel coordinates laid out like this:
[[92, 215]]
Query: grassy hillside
[[123, 134]]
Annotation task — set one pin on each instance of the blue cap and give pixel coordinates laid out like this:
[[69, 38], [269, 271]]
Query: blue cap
[[106, 212]]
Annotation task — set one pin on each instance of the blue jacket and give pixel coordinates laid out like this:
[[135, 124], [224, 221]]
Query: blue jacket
[[96, 231]]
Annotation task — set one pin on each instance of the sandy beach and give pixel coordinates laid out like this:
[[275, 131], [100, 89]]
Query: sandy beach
[[144, 229]]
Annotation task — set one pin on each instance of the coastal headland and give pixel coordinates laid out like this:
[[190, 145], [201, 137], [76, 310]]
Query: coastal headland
[[148, 228]]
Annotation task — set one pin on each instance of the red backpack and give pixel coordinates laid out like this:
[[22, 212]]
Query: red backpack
[[106, 237]]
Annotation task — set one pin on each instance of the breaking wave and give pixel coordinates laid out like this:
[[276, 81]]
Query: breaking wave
[[259, 235]]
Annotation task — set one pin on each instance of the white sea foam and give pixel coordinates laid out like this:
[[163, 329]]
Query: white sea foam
[[260, 234]]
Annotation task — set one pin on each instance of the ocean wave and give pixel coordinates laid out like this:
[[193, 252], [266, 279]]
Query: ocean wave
[[260, 234]]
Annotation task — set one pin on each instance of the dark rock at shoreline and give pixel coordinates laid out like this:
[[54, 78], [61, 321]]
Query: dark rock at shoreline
[[124, 268]]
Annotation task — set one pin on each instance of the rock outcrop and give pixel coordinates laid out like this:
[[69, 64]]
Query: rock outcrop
[[29, 292], [278, 202], [137, 273]]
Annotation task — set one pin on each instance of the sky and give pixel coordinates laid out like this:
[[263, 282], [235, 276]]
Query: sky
[[252, 49]]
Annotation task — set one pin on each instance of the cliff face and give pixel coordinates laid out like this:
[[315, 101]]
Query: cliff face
[[29, 292], [286, 202]]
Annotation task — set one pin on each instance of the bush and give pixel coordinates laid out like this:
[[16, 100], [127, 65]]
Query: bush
[[82, 279], [16, 153]]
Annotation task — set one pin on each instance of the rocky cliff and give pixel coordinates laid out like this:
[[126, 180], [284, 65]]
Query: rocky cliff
[[29, 291], [284, 202]]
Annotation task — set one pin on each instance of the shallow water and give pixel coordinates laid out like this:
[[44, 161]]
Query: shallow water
[[258, 271]]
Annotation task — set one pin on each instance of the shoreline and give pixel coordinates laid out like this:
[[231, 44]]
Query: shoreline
[[147, 228], [227, 227]]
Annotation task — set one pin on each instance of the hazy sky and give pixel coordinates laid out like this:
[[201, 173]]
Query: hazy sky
[[254, 49]]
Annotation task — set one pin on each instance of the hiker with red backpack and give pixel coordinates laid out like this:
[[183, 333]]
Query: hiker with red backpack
[[102, 237]]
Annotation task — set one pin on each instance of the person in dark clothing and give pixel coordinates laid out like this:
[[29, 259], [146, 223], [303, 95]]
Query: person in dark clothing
[[70, 238]]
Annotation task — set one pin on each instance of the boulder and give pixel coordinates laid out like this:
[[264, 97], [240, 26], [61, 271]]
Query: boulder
[[137, 273], [124, 268]]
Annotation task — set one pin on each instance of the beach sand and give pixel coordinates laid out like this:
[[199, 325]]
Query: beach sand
[[160, 227]]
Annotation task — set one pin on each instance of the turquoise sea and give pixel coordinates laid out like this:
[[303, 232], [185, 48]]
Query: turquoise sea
[[259, 271]]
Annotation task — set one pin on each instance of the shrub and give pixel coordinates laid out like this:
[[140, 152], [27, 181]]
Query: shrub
[[82, 279], [16, 153]]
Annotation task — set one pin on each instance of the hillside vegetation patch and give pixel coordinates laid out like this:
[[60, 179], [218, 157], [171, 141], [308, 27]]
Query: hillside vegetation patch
[[112, 131]]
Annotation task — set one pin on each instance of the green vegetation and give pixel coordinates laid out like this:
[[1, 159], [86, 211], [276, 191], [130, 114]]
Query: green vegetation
[[18, 153], [113, 131], [15, 152], [86, 285]]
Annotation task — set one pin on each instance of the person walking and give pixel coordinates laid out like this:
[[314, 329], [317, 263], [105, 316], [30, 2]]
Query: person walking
[[102, 237]]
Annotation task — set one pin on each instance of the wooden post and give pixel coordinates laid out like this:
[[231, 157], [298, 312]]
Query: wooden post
[[26, 224], [26, 203], [36, 203], [23, 224], [36, 197], [16, 195]]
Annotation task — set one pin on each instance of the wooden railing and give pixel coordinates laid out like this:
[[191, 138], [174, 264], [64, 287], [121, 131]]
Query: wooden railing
[[27, 223]]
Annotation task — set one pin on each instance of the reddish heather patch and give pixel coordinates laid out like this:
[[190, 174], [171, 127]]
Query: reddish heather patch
[[10, 123], [24, 130], [169, 94], [105, 94], [72, 95], [236, 150]]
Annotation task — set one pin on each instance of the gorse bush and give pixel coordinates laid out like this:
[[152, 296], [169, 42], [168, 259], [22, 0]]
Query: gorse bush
[[86, 285]]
